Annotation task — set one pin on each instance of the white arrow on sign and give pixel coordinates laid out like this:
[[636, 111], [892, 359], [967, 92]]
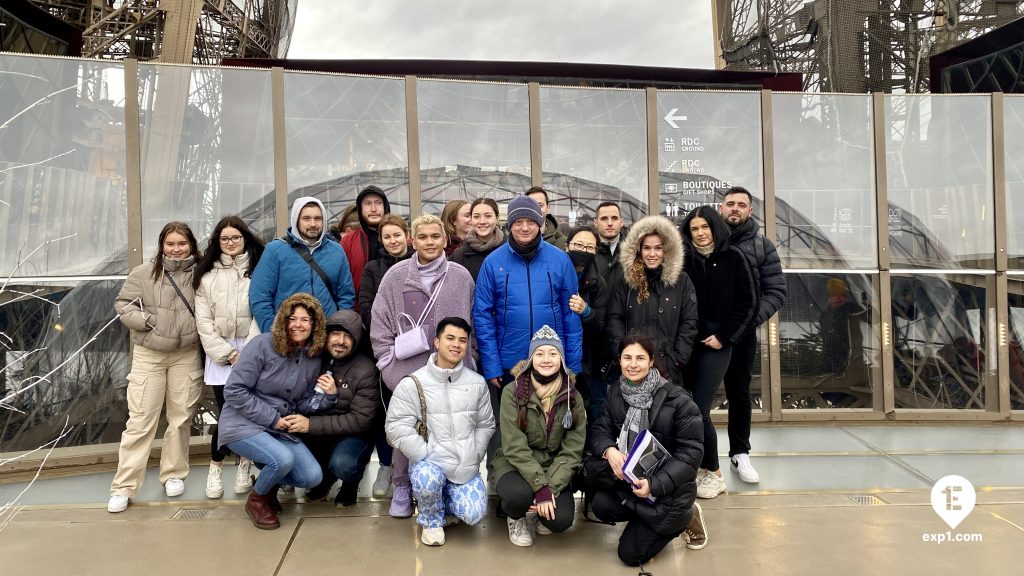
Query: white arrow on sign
[[671, 118]]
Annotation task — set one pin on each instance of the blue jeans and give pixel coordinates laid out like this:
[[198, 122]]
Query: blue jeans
[[340, 457], [284, 462], [706, 369]]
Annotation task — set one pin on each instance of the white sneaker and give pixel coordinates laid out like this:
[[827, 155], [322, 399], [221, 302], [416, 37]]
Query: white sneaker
[[741, 462], [710, 485], [215, 482], [519, 532], [287, 489], [432, 536], [382, 485], [243, 480], [117, 504], [174, 487]]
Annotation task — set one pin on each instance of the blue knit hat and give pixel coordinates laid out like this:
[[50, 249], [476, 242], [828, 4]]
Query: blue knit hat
[[525, 207]]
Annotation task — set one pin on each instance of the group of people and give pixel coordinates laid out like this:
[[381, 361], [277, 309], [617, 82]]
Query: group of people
[[450, 342]]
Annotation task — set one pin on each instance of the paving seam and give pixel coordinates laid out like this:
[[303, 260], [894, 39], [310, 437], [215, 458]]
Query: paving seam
[[894, 459], [287, 549]]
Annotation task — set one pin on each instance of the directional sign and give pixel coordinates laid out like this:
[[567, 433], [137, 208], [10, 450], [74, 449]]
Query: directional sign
[[671, 118]]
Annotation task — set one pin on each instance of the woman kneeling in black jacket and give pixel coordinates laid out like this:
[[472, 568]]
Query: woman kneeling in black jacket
[[643, 399]]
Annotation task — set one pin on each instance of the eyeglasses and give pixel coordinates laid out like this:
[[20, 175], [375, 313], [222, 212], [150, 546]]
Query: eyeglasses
[[230, 239], [304, 321], [592, 248]]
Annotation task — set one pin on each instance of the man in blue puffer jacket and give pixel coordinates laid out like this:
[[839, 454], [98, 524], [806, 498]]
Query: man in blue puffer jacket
[[523, 285], [283, 271]]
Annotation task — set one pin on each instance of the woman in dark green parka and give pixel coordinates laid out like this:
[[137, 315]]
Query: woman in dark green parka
[[543, 432]]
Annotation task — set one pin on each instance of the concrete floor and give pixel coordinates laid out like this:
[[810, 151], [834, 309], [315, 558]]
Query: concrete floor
[[833, 499]]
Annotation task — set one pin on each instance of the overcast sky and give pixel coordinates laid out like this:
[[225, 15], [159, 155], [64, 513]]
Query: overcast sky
[[673, 33]]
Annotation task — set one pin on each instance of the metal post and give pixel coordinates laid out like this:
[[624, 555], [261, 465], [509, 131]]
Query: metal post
[[884, 277], [771, 355], [997, 397], [653, 184], [412, 132], [277, 98], [536, 162], [133, 161]]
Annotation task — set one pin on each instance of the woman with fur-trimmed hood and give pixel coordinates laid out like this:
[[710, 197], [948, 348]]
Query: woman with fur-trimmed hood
[[655, 297], [277, 376]]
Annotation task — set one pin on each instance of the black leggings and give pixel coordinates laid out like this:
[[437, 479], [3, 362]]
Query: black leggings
[[517, 497], [638, 543], [215, 454]]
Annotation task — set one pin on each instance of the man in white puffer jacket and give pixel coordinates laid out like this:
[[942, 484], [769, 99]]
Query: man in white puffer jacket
[[445, 467]]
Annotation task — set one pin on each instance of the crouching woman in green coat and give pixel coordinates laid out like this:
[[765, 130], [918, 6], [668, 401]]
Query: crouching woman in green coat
[[543, 432]]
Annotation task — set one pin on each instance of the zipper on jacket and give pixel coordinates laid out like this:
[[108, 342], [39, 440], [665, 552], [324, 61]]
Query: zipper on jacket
[[529, 292]]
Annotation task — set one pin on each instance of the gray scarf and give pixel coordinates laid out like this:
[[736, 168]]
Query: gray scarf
[[497, 239], [639, 398]]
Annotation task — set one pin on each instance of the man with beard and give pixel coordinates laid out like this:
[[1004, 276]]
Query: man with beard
[[303, 260], [363, 244], [341, 437], [766, 267]]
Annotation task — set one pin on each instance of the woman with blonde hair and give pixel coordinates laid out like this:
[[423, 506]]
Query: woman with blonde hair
[[156, 304]]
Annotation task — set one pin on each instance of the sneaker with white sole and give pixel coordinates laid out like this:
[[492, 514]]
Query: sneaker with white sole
[[432, 536], [382, 484], [243, 477], [710, 485], [535, 525], [519, 532], [696, 533], [215, 481], [174, 487], [117, 504], [401, 502], [741, 463]]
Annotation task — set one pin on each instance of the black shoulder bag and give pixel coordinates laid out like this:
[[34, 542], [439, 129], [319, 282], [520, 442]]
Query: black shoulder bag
[[180, 295]]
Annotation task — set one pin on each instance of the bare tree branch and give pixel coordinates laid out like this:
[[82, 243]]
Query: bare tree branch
[[9, 509]]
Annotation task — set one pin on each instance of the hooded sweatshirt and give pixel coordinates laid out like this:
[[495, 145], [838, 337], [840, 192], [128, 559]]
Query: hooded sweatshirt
[[363, 245], [282, 271]]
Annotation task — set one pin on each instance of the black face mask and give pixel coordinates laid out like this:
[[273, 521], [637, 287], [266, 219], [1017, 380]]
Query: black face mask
[[581, 260]]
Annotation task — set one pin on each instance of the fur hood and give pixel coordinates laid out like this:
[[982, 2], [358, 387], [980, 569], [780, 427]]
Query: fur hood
[[629, 251], [279, 330]]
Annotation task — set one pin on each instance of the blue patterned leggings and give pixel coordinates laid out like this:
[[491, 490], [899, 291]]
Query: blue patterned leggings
[[437, 496]]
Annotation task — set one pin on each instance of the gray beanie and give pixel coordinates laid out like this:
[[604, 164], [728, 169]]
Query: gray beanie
[[525, 207], [546, 336]]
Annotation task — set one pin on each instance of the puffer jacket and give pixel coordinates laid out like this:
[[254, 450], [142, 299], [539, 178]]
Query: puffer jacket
[[459, 420], [607, 263], [553, 234], [514, 298], [283, 272], [595, 293], [473, 258], [357, 380], [222, 307], [726, 297], [544, 453], [678, 425], [370, 284], [669, 313], [152, 310], [769, 279]]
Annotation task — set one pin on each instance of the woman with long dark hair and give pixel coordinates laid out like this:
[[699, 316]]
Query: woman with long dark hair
[[484, 237], [642, 399], [726, 304], [225, 324], [156, 305]]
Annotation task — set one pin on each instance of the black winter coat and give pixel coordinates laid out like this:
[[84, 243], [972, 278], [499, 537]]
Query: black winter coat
[[470, 258], [770, 282], [372, 275], [726, 296], [357, 379], [595, 293], [679, 427], [608, 266]]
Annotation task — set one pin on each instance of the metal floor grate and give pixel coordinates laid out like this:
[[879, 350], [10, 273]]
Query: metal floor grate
[[867, 500], [192, 514]]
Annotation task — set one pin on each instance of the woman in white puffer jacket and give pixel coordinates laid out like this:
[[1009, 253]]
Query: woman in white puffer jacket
[[225, 323]]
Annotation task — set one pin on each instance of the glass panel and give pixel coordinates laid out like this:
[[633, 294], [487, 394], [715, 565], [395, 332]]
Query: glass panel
[[939, 166], [1013, 122], [824, 181], [708, 142], [1016, 289], [939, 339], [62, 167], [474, 141], [345, 133], [45, 334], [829, 348], [594, 149], [207, 148]]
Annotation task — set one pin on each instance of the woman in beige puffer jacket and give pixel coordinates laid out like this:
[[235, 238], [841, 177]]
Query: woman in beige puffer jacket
[[226, 325], [165, 364]]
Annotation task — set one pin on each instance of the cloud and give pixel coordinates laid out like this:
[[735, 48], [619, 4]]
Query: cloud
[[640, 32]]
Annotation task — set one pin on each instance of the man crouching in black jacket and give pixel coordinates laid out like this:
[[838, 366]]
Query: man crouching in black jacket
[[341, 437]]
